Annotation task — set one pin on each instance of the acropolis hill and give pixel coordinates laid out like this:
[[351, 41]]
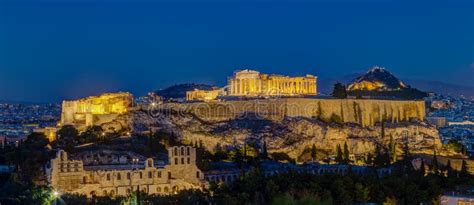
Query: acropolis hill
[[301, 102], [290, 121]]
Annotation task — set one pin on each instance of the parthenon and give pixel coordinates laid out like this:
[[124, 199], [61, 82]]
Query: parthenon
[[253, 83]]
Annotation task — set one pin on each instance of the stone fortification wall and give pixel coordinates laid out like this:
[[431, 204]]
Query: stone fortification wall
[[366, 112], [88, 110]]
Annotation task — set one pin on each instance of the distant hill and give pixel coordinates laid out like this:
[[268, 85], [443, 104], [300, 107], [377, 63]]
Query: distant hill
[[325, 85], [379, 82], [376, 79], [179, 90]]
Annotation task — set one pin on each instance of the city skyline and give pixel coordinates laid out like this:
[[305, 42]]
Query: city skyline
[[53, 50]]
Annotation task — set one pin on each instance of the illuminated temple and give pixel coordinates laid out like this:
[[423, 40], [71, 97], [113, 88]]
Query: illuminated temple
[[253, 83], [204, 95], [89, 110]]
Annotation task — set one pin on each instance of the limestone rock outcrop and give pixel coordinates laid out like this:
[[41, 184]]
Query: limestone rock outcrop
[[290, 135], [365, 112]]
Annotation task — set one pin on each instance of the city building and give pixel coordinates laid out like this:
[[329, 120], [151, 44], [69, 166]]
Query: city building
[[456, 199], [49, 132], [253, 83], [204, 95], [438, 121], [121, 175], [6, 168], [3, 141]]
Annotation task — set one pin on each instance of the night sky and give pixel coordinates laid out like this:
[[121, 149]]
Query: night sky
[[52, 50]]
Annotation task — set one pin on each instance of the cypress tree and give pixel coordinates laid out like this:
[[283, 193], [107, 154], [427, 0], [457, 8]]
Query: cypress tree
[[138, 202], [463, 150], [406, 149], [392, 149], [346, 153], [264, 151], [464, 171], [339, 91], [381, 158], [422, 168], [319, 112], [382, 131], [369, 159], [339, 158], [342, 114], [449, 169], [313, 152], [245, 151], [354, 106], [434, 163]]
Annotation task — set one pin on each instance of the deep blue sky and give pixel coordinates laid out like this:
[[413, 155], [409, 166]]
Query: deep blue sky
[[51, 50]]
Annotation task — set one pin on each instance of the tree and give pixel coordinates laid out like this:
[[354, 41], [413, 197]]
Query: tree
[[339, 157], [361, 193], [339, 91], [320, 113], [422, 168], [92, 134], [313, 152], [406, 149], [67, 137], [151, 143], [382, 130], [346, 153], [336, 119], [449, 169], [264, 154], [392, 149], [434, 164], [238, 158], [356, 114], [463, 150], [464, 170], [455, 146], [30, 158], [342, 113], [283, 200], [381, 158], [369, 159]]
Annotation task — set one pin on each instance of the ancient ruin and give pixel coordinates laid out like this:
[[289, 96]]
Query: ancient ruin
[[95, 109]]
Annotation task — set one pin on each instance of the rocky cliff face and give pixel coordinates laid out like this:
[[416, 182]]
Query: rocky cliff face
[[290, 135], [365, 112]]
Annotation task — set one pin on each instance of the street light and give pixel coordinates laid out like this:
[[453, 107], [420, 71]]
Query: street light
[[56, 196]]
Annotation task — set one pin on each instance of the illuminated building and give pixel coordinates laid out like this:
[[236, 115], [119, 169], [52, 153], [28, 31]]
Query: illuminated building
[[89, 110], [103, 175], [49, 132], [253, 83], [204, 95]]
